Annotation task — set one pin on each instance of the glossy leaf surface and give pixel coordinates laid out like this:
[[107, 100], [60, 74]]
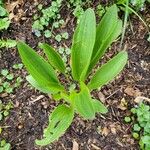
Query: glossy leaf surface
[[40, 70], [53, 57], [59, 121], [107, 31], [83, 43], [36, 85], [109, 70]]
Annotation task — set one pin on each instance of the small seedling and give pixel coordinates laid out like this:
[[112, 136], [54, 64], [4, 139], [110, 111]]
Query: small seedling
[[100, 10], [10, 76], [135, 135], [7, 80], [127, 119], [47, 33], [47, 17], [58, 37], [65, 35], [18, 66], [141, 126], [7, 43], [4, 72], [4, 145]]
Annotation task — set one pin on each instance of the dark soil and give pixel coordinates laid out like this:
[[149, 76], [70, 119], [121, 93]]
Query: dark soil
[[109, 132]]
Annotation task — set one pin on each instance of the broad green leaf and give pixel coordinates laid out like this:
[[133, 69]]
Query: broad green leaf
[[59, 121], [83, 43], [99, 107], [109, 70], [53, 57], [83, 103], [107, 31], [40, 70], [36, 85]]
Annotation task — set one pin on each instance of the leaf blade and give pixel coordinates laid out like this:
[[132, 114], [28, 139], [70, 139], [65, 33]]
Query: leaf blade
[[36, 85], [108, 71], [99, 107], [38, 67], [107, 31], [83, 104], [83, 43], [53, 57], [59, 120]]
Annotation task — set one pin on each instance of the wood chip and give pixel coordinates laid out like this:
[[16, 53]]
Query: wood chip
[[75, 145], [141, 98], [101, 97], [95, 147], [105, 131], [37, 99], [132, 92]]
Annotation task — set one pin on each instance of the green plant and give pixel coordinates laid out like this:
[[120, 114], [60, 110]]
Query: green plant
[[141, 126], [5, 109], [137, 4], [89, 45], [4, 145], [4, 20], [4, 112], [128, 7], [78, 5], [4, 24], [100, 10], [48, 15], [127, 119], [7, 80], [7, 43]]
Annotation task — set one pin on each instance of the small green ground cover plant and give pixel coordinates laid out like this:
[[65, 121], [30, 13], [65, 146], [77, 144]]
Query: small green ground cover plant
[[4, 24], [4, 20], [49, 18], [88, 46], [50, 15], [7, 80], [4, 145], [141, 127], [4, 112]]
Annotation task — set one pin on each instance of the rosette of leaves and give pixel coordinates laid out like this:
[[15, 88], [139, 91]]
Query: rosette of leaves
[[88, 46]]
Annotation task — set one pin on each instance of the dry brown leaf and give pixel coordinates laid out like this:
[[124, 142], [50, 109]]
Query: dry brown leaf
[[75, 145], [141, 98], [132, 92]]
